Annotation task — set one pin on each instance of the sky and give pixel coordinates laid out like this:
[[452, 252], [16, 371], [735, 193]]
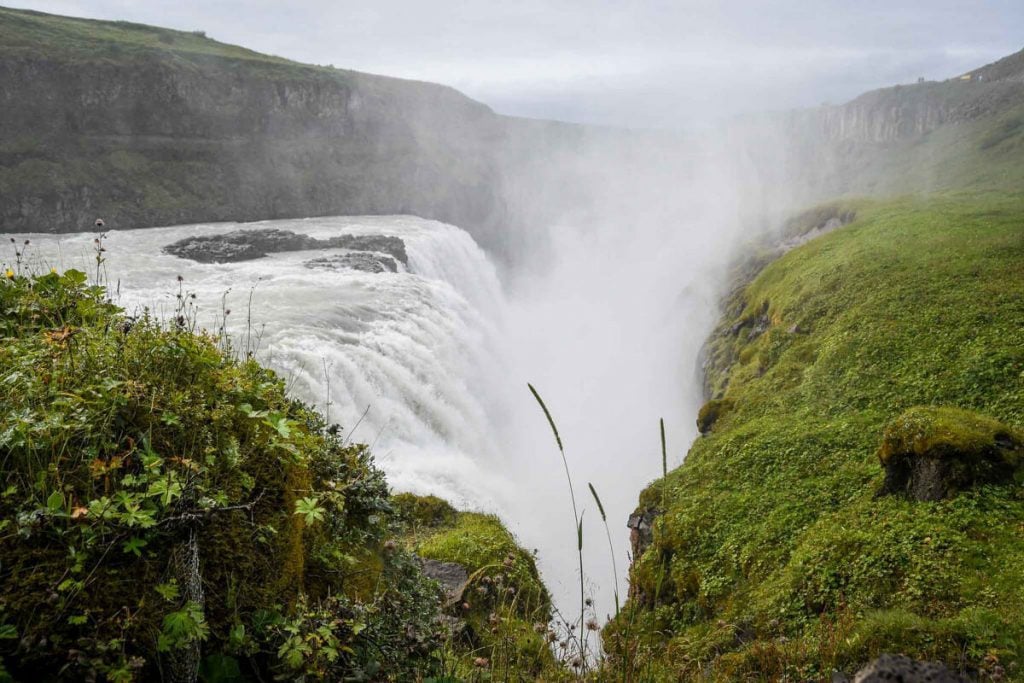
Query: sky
[[641, 63]]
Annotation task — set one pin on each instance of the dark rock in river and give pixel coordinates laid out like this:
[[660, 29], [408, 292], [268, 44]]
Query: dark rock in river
[[240, 245], [366, 261], [246, 245]]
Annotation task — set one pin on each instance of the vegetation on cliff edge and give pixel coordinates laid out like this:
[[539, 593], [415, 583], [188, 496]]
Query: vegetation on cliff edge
[[776, 557]]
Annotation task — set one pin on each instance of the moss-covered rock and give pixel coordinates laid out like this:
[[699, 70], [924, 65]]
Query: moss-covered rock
[[424, 511], [710, 413], [930, 453]]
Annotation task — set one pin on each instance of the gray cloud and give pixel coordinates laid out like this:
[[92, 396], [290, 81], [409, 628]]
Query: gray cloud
[[631, 62]]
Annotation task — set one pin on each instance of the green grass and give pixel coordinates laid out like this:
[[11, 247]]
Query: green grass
[[775, 557], [87, 40]]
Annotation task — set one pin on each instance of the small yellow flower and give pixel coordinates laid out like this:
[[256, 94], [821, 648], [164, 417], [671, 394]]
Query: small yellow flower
[[9, 274], [53, 270]]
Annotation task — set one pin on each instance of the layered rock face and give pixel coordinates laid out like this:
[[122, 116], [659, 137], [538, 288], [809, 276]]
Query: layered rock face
[[159, 136], [152, 144]]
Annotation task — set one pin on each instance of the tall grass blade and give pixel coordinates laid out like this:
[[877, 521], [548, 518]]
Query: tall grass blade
[[611, 546], [578, 518], [547, 414], [664, 453]]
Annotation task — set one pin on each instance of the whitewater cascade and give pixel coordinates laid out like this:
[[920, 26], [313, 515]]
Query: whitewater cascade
[[430, 364]]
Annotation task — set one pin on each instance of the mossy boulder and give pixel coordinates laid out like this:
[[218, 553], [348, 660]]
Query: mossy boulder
[[931, 453], [424, 511], [711, 412]]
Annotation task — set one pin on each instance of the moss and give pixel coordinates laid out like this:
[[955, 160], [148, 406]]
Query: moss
[[772, 528], [424, 511], [934, 432], [711, 412]]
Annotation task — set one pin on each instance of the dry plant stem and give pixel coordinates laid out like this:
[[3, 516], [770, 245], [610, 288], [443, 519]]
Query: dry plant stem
[[611, 546], [576, 517]]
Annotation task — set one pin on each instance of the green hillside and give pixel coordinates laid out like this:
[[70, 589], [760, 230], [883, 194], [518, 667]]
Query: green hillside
[[26, 33], [781, 554]]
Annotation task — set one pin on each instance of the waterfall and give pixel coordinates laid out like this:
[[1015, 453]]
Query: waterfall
[[429, 364]]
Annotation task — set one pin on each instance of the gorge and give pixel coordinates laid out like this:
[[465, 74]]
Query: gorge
[[406, 261]]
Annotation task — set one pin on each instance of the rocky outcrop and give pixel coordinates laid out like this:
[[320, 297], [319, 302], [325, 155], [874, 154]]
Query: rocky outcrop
[[641, 530], [452, 576], [897, 668], [246, 245], [931, 453]]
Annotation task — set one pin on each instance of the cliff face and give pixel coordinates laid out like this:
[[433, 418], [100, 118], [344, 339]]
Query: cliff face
[[176, 135], [906, 111]]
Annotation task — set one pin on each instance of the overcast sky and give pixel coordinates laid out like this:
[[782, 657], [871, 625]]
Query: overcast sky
[[639, 62]]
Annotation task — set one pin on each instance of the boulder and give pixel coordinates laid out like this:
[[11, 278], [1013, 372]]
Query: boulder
[[931, 453], [452, 576]]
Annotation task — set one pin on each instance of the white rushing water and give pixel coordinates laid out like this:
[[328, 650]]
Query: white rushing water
[[430, 365]]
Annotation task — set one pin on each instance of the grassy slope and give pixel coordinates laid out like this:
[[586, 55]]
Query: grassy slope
[[775, 558], [73, 39]]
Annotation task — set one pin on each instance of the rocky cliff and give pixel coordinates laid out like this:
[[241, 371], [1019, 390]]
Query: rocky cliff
[[146, 126]]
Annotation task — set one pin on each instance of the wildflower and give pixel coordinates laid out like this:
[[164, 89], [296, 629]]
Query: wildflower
[[53, 270], [181, 279], [589, 602], [482, 590], [540, 627], [481, 662], [465, 607], [390, 545], [493, 618], [100, 223], [10, 274], [577, 663], [592, 625]]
